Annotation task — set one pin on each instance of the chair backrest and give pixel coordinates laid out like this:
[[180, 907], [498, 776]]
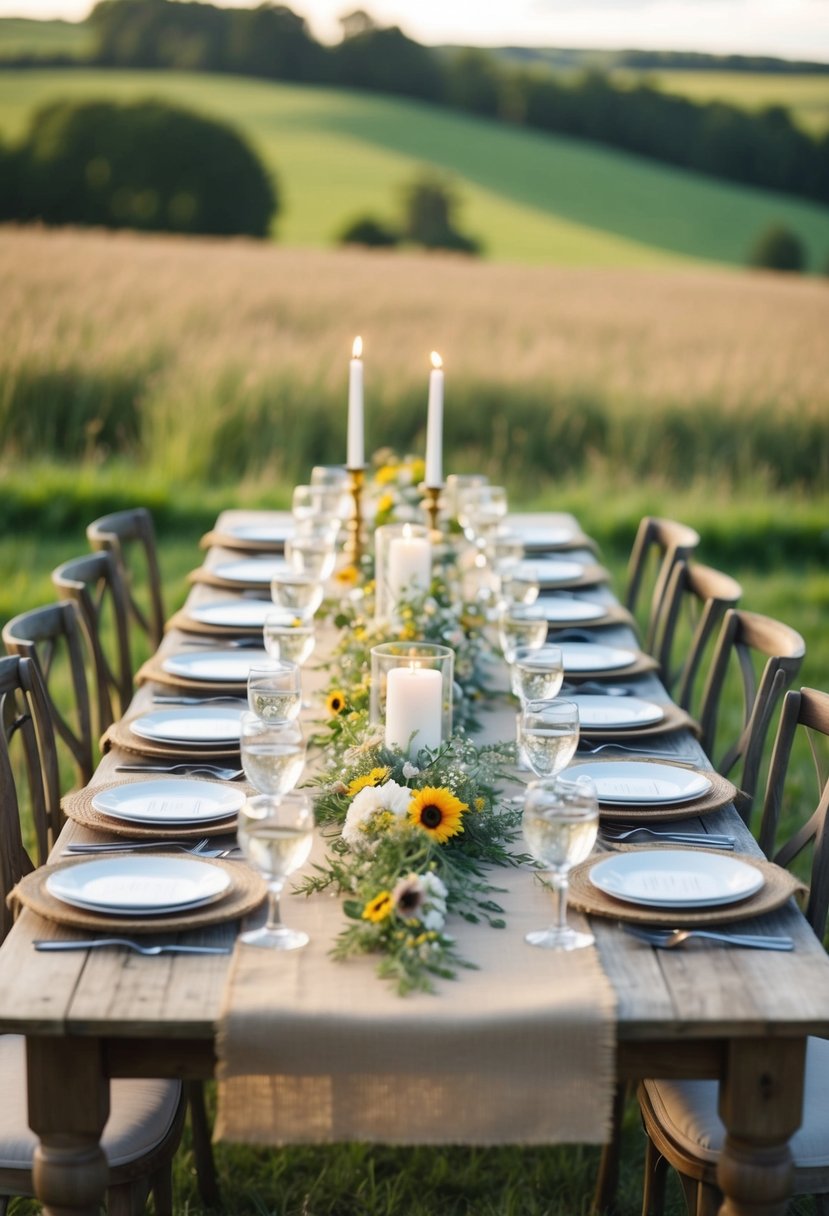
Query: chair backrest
[[94, 583], [53, 638], [25, 718], [125, 533], [806, 712], [745, 639], [660, 541], [696, 600]]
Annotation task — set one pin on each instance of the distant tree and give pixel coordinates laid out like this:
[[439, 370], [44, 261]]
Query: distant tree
[[778, 248], [367, 230], [429, 206], [386, 61], [358, 22], [272, 41], [147, 165], [473, 82]]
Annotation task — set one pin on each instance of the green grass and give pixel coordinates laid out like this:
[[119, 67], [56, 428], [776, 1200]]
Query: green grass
[[27, 36], [805, 95], [528, 196]]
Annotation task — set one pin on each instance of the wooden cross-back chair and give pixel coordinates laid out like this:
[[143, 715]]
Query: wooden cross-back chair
[[697, 597], [660, 541], [95, 584], [123, 533], [746, 639], [146, 1117], [681, 1120], [42, 634]]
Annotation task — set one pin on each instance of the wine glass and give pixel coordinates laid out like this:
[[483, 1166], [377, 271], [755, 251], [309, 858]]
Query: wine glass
[[273, 754], [548, 734], [297, 593], [287, 636], [521, 626], [519, 585], [317, 502], [275, 690], [561, 819], [312, 552], [276, 836], [537, 675]]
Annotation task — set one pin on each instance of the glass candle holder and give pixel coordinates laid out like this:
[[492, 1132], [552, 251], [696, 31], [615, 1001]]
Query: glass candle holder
[[403, 566], [411, 693]]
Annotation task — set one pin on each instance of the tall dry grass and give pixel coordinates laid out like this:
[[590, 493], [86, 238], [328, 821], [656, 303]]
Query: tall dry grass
[[218, 360]]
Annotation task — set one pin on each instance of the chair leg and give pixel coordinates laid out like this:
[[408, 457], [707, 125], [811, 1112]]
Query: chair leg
[[821, 1205], [607, 1178], [709, 1199], [206, 1177], [655, 1180], [127, 1198], [161, 1186]]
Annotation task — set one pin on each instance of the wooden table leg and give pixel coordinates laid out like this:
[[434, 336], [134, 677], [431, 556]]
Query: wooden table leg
[[761, 1105], [68, 1108]]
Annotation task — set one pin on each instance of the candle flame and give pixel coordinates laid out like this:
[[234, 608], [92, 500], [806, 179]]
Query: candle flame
[[357, 348], [436, 360]]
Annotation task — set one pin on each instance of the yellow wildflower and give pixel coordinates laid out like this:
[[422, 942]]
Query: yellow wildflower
[[376, 777], [379, 908]]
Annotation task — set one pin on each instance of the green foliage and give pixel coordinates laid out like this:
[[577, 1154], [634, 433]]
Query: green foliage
[[429, 208], [369, 231], [146, 165], [778, 248]]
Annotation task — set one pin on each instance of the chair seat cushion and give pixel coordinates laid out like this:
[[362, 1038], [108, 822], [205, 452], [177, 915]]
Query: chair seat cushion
[[687, 1111], [141, 1112]]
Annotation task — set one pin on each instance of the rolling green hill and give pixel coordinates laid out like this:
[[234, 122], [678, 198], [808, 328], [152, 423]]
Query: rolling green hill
[[26, 36], [528, 196]]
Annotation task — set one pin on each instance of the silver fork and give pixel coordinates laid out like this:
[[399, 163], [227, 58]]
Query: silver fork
[[135, 846], [593, 749], [701, 840], [99, 942], [669, 939], [212, 770], [171, 700]]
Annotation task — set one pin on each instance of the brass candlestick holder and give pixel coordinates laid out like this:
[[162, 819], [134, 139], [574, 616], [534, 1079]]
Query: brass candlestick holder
[[354, 543], [431, 504]]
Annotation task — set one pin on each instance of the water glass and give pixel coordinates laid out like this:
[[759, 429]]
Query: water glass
[[320, 502], [273, 753], [276, 837], [287, 636], [298, 594], [537, 675], [561, 819], [275, 690], [312, 553], [521, 626], [548, 734]]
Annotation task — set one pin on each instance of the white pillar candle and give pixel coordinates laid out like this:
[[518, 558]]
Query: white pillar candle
[[355, 458], [413, 708], [434, 424], [409, 566]]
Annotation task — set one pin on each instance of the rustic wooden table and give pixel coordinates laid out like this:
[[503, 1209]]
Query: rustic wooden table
[[741, 1016]]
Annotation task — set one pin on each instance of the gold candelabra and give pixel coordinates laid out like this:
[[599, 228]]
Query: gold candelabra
[[355, 540], [431, 504]]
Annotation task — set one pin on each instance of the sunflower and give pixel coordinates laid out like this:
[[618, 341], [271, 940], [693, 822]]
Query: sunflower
[[347, 576], [375, 777], [379, 908], [438, 812], [335, 702]]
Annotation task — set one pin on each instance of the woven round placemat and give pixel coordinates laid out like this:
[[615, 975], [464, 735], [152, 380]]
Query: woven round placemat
[[227, 540], [78, 807], [673, 718], [642, 663], [119, 735], [153, 672], [247, 890], [187, 624], [778, 886], [614, 614], [721, 793]]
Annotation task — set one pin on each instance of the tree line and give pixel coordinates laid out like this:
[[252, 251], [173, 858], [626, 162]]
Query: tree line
[[764, 148]]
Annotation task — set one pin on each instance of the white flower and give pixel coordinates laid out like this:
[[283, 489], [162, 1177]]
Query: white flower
[[367, 802], [434, 887], [410, 770], [432, 920]]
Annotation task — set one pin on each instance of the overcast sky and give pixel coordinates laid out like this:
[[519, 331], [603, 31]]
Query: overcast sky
[[791, 28]]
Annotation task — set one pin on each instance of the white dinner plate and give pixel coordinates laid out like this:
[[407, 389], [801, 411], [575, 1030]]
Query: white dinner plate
[[535, 537], [139, 886], [215, 666], [676, 878], [170, 801], [204, 725], [257, 571], [551, 572], [564, 610], [592, 656], [637, 781], [232, 614], [616, 713], [275, 533]]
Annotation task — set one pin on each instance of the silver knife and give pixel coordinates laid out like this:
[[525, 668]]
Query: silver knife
[[130, 945]]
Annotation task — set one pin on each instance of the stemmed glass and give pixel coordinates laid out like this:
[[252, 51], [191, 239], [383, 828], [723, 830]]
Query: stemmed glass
[[296, 593], [273, 753], [276, 836], [548, 734], [287, 636], [520, 585], [312, 551], [561, 819], [537, 675], [316, 503], [521, 628], [275, 690]]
